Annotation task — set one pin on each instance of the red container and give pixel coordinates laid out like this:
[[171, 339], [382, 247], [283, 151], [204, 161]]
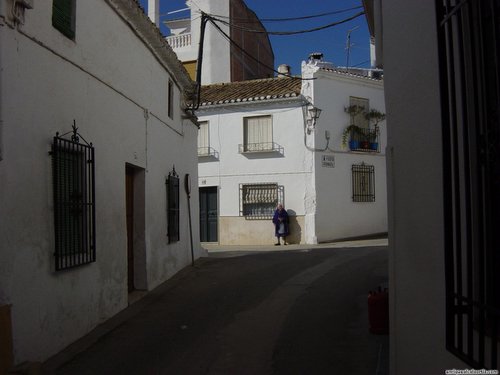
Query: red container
[[378, 312]]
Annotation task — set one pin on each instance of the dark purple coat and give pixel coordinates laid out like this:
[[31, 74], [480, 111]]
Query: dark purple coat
[[283, 215]]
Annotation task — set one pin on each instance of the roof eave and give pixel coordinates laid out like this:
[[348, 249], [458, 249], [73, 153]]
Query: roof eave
[[250, 101], [141, 25]]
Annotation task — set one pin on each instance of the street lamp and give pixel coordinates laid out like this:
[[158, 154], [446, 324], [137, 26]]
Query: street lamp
[[314, 114]]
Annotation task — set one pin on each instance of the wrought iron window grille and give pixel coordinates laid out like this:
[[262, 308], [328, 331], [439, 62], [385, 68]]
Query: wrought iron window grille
[[468, 33], [363, 183], [258, 201], [173, 206], [73, 177]]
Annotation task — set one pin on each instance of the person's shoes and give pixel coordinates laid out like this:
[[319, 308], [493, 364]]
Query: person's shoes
[[277, 244], [285, 243]]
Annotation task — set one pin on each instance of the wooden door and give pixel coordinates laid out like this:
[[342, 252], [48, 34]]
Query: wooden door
[[129, 187]]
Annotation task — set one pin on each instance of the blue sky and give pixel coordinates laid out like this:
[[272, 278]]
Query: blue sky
[[292, 50]]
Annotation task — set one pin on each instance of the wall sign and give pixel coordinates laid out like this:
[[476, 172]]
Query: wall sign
[[328, 161]]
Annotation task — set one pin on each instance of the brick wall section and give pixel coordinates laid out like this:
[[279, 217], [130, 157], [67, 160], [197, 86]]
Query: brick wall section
[[257, 45]]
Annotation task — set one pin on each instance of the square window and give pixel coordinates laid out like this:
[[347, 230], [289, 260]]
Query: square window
[[257, 134], [258, 201]]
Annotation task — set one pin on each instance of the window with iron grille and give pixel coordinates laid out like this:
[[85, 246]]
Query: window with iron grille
[[74, 206], [258, 201], [173, 206], [63, 17], [469, 33], [363, 183]]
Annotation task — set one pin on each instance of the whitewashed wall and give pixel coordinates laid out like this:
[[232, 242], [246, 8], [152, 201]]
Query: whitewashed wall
[[104, 80], [216, 54], [416, 239], [293, 169], [336, 215]]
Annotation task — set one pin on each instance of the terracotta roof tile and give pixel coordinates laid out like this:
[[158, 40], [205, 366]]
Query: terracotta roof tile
[[248, 91]]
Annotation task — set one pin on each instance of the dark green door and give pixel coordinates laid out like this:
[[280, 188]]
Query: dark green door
[[208, 214]]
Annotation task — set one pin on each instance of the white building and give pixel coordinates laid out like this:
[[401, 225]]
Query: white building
[[249, 56], [441, 64], [258, 145], [85, 227]]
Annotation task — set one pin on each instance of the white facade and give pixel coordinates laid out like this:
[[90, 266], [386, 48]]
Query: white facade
[[112, 81], [316, 175], [291, 169], [420, 216], [336, 215], [216, 54], [416, 233]]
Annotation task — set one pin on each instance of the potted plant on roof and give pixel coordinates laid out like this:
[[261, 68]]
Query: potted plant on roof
[[374, 116], [352, 133]]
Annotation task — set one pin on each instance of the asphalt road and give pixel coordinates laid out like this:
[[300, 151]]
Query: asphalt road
[[284, 312]]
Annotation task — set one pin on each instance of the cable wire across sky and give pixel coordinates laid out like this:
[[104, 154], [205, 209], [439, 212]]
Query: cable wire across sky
[[294, 32]]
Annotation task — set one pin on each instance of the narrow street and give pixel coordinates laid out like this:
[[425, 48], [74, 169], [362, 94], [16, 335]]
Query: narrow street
[[281, 312]]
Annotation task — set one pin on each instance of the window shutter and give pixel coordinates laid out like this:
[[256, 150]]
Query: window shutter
[[173, 207], [360, 119], [203, 142], [62, 17]]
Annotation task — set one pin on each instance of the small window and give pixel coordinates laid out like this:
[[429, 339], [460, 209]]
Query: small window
[[63, 17], [74, 208], [257, 134], [203, 139], [359, 118], [258, 201], [170, 99], [173, 209], [363, 183]]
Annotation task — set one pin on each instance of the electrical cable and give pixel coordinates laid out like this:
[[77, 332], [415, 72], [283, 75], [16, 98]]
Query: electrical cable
[[309, 17], [250, 56], [289, 18], [282, 33]]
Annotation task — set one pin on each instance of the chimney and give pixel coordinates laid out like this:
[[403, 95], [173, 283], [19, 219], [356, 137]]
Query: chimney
[[316, 59], [284, 70], [315, 56], [154, 11]]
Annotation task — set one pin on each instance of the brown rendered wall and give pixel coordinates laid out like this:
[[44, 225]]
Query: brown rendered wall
[[256, 45]]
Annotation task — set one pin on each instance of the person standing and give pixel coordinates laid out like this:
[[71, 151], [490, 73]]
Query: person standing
[[280, 221]]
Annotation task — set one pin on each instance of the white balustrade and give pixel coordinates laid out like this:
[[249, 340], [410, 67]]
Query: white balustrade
[[179, 41]]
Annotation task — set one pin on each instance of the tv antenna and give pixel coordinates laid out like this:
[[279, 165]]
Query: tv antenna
[[348, 45]]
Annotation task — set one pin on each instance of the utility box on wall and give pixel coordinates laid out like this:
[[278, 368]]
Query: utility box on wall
[[6, 357]]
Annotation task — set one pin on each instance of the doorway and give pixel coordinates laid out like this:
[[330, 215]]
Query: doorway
[[208, 214]]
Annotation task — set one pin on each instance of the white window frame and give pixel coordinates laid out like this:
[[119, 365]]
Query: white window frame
[[261, 139], [360, 119]]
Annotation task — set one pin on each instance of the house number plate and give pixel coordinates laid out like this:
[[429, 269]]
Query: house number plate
[[328, 161]]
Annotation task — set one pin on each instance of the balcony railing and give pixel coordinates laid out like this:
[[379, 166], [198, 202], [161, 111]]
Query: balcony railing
[[207, 152], [179, 41], [364, 140], [259, 147]]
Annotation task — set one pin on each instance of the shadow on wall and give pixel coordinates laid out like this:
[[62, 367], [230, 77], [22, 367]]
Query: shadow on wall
[[294, 227]]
